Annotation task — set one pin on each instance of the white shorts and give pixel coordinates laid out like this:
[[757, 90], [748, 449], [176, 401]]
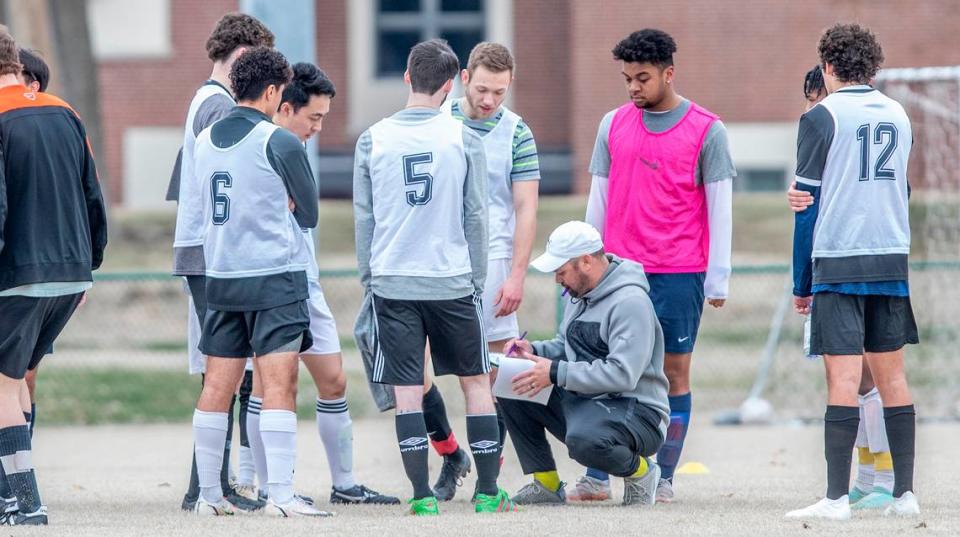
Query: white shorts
[[497, 328], [323, 328]]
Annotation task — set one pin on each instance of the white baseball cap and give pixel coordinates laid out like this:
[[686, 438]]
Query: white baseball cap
[[568, 241]]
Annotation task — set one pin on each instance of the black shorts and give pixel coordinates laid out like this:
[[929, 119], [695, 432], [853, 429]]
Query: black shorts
[[28, 327], [241, 334], [455, 329], [843, 325], [198, 292]]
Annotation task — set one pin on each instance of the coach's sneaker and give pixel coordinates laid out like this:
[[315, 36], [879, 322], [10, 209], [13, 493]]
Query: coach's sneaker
[[665, 491], [205, 508], [361, 494], [536, 494], [499, 503], [642, 490], [241, 502], [826, 508], [590, 489], [18, 518], [906, 505], [424, 506], [456, 466], [294, 508], [879, 498]]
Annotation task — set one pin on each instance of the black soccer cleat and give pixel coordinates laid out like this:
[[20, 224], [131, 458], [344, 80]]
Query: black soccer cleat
[[360, 494], [189, 503], [456, 466], [19, 518], [242, 503]]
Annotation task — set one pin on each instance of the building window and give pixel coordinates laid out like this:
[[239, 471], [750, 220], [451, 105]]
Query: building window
[[114, 37], [401, 24]]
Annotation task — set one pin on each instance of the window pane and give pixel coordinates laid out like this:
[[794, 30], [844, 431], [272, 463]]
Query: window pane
[[462, 42], [392, 50], [461, 5], [399, 6]]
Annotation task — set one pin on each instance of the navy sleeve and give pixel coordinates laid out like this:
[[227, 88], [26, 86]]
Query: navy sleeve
[[803, 225], [814, 137], [289, 159], [3, 198]]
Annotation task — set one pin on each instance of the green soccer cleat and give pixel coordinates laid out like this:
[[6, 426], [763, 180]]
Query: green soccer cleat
[[424, 506], [499, 503], [856, 495], [879, 498]]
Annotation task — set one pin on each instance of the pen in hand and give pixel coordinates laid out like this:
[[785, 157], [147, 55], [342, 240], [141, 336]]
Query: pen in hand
[[514, 346]]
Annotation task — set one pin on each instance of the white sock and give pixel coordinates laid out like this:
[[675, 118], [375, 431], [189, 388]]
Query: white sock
[[246, 469], [209, 437], [256, 441], [278, 428], [336, 433]]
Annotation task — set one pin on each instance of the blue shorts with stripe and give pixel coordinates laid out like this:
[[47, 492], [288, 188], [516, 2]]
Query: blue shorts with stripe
[[678, 301], [402, 327]]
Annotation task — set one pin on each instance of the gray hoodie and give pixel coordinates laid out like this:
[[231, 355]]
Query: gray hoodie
[[610, 343]]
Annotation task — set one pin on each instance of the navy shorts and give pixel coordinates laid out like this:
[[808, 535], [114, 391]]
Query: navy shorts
[[678, 301]]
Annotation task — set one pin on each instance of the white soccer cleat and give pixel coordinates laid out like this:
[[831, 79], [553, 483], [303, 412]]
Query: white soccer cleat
[[905, 506], [826, 509], [294, 508], [204, 508], [247, 491]]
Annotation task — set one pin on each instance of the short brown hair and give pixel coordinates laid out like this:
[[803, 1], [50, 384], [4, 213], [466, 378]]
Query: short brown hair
[[493, 56], [9, 54], [853, 51], [431, 64], [235, 30]]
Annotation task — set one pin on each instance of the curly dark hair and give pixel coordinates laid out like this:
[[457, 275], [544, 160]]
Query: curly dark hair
[[853, 51], [308, 80], [257, 69], [34, 68], [235, 30], [813, 82], [9, 56], [647, 46]]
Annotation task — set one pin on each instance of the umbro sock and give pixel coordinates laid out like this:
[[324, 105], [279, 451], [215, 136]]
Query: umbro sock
[[901, 433], [336, 433], [412, 438], [33, 418], [209, 435], [669, 455], [278, 429], [839, 434], [256, 441], [438, 426], [550, 480], [17, 461], [865, 472], [483, 433]]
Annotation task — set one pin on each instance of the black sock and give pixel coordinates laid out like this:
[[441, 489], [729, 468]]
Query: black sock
[[483, 433], [225, 468], [27, 417], [901, 424], [502, 424], [412, 437], [33, 418], [435, 415], [19, 470], [193, 489], [246, 388], [839, 435]]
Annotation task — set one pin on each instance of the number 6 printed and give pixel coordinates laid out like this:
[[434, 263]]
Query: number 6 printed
[[221, 202]]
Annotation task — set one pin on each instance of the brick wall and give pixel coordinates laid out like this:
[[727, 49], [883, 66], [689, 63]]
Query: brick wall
[[332, 58]]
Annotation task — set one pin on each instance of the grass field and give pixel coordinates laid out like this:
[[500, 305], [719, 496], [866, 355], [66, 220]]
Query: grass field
[[107, 481]]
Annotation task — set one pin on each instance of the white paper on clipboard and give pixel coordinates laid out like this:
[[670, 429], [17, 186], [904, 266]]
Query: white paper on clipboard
[[509, 368]]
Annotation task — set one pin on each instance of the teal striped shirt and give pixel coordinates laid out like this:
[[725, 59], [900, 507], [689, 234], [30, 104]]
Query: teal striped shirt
[[526, 162]]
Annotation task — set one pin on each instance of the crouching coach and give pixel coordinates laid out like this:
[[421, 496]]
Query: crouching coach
[[605, 367]]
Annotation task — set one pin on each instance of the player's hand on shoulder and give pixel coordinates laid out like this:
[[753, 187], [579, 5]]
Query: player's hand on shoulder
[[799, 199]]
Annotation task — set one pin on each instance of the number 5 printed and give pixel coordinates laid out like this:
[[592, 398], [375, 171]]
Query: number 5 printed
[[221, 202], [412, 178]]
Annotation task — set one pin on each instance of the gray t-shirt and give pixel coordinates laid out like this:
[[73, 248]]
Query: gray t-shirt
[[475, 193], [714, 163]]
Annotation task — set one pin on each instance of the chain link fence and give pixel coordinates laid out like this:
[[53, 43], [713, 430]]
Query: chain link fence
[[127, 346]]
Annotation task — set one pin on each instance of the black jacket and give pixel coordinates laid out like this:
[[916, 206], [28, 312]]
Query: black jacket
[[53, 224]]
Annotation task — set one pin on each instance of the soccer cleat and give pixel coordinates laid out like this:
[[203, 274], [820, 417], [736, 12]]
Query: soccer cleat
[[856, 495], [590, 489], [204, 508], [294, 508], [665, 491], [905, 506], [826, 508], [424, 506], [456, 466], [499, 503], [360, 494], [536, 494], [880, 498], [262, 495], [642, 490], [241, 502], [188, 503], [19, 518], [247, 491]]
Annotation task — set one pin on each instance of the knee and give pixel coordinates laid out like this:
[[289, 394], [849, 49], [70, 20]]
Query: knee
[[333, 388], [587, 448], [409, 398]]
